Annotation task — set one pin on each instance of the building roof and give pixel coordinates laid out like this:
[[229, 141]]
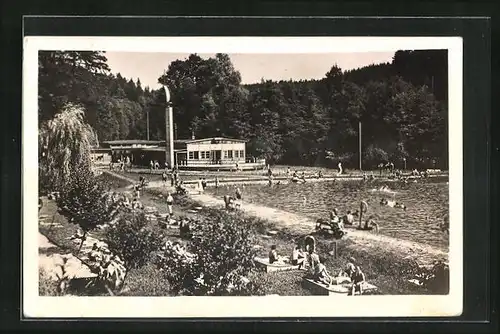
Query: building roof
[[130, 142], [189, 141]]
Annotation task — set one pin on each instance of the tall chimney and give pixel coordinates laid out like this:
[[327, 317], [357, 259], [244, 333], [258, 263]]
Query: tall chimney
[[169, 130], [192, 135]]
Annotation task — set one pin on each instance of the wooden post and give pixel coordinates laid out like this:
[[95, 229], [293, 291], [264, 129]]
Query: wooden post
[[335, 249]]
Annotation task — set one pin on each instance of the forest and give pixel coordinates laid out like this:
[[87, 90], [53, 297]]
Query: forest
[[402, 107]]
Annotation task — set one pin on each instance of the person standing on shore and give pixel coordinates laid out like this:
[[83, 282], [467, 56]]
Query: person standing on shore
[[340, 168], [170, 203], [216, 182]]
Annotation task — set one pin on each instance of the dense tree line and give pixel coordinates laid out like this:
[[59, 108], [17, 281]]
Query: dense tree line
[[401, 105]]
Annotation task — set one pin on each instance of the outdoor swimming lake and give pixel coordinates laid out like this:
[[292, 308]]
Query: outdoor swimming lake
[[426, 202]]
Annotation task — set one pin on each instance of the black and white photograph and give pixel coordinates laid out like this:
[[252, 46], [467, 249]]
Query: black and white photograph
[[242, 176]]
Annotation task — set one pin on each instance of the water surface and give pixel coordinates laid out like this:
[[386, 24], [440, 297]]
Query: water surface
[[426, 201]]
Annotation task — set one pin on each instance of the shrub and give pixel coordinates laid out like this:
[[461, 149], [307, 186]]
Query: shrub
[[374, 155], [216, 262], [133, 240], [435, 279], [47, 286], [83, 201]]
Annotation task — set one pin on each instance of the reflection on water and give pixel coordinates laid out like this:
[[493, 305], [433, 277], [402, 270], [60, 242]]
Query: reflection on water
[[426, 202]]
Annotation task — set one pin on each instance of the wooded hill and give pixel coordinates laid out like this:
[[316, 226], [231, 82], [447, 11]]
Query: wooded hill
[[402, 106]]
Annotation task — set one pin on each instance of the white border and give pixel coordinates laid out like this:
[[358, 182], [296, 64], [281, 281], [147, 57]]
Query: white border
[[365, 306]]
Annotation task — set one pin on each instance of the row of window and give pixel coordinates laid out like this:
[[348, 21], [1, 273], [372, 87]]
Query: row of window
[[206, 155]]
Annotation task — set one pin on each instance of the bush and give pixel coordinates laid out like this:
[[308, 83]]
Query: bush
[[374, 155], [83, 201], [216, 262], [133, 240], [47, 286]]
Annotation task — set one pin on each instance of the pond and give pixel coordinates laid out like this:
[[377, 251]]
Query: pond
[[426, 202]]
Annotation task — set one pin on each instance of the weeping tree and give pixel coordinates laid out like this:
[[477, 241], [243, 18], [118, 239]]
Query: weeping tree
[[64, 145]]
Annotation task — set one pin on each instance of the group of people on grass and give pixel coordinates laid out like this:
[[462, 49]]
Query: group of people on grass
[[308, 259], [336, 223]]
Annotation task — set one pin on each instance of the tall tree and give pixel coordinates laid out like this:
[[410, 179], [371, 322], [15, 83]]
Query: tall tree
[[65, 142]]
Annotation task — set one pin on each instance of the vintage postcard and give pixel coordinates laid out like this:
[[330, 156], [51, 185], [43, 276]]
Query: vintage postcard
[[242, 177]]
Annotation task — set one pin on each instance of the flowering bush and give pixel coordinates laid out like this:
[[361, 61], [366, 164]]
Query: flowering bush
[[217, 260]]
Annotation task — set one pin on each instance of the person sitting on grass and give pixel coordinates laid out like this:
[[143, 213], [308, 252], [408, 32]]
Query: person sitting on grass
[[335, 221], [136, 204], [180, 188], [297, 256], [319, 272], [238, 193], [142, 181], [348, 218], [357, 279], [230, 202], [303, 177], [273, 255], [370, 224], [348, 271]]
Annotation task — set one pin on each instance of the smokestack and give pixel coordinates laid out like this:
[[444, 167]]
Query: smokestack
[[192, 134], [169, 130]]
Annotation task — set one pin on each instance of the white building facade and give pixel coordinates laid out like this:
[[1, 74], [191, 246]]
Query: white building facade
[[215, 151]]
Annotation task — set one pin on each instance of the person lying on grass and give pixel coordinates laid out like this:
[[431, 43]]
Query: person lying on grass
[[392, 204]]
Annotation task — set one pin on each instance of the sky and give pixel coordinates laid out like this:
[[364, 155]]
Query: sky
[[253, 67]]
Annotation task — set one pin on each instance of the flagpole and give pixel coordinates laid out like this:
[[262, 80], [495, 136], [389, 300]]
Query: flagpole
[[360, 154], [147, 120]]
